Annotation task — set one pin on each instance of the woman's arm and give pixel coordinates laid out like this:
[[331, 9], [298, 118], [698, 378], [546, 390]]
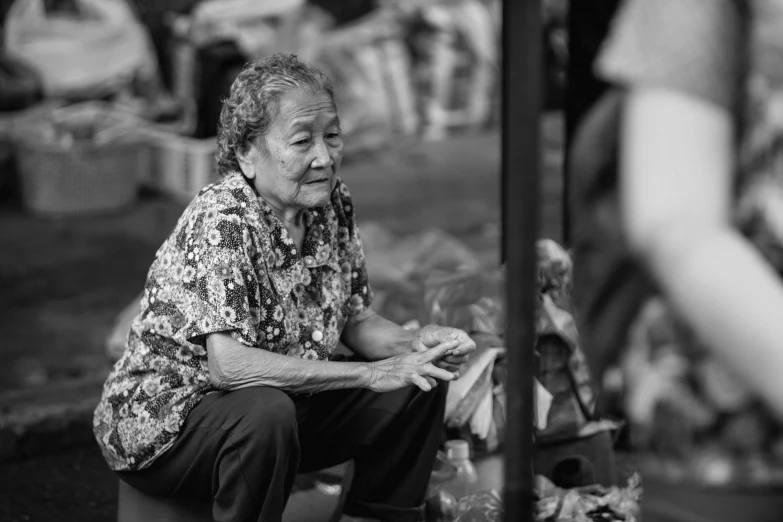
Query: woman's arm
[[676, 185], [232, 366], [375, 338]]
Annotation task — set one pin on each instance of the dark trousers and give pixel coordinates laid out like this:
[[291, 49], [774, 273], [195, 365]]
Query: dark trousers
[[243, 449]]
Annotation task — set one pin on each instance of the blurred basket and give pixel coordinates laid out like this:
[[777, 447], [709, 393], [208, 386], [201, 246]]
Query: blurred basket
[[180, 166], [78, 159], [80, 179]]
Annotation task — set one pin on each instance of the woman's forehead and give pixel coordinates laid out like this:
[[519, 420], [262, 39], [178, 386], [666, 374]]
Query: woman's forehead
[[301, 107]]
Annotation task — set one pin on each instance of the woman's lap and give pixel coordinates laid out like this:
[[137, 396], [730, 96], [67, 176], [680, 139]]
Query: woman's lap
[[331, 427], [206, 430]]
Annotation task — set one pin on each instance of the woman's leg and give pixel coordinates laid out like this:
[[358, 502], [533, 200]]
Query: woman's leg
[[238, 448], [392, 437]]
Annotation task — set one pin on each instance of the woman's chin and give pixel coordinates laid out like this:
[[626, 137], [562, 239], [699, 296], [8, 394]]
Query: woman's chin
[[317, 195]]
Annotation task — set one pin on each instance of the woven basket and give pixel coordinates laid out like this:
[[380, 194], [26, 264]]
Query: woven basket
[[81, 179], [181, 166]]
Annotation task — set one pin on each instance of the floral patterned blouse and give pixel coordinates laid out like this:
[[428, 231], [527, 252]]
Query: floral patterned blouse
[[229, 265]]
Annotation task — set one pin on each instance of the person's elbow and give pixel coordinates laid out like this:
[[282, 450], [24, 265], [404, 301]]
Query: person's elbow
[[676, 173], [218, 376], [646, 233], [661, 241]]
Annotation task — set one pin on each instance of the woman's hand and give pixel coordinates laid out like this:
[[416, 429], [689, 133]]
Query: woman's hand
[[412, 368], [433, 335]]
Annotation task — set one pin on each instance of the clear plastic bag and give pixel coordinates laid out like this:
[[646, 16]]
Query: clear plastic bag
[[588, 503], [88, 56], [469, 299], [486, 506]]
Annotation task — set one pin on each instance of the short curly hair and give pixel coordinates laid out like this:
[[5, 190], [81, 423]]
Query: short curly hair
[[254, 100]]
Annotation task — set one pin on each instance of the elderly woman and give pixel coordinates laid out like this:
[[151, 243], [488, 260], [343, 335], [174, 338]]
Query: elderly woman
[[227, 388]]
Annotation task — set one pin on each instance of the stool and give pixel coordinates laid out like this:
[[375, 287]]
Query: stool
[[578, 462], [136, 506]]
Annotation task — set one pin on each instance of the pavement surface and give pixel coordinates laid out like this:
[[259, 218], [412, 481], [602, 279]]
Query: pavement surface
[[63, 282]]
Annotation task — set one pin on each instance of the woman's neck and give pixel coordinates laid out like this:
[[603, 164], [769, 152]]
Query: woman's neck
[[289, 217]]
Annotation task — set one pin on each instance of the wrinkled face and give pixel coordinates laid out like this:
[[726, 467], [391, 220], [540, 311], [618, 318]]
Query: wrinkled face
[[295, 165]]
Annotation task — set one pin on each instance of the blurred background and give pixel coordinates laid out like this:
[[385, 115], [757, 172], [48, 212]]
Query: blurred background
[[108, 116]]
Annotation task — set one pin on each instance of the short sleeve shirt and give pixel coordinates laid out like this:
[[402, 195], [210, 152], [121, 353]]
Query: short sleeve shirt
[[704, 425], [228, 266]]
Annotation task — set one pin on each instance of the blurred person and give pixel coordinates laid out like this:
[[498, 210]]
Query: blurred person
[[477, 24], [700, 200], [227, 388]]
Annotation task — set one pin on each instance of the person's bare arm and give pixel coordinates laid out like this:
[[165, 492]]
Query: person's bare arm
[[375, 338], [676, 185], [232, 366]]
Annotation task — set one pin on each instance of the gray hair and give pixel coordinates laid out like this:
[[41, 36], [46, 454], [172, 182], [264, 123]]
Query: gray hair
[[254, 100]]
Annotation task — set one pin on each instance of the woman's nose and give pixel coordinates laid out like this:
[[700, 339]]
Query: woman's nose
[[322, 157]]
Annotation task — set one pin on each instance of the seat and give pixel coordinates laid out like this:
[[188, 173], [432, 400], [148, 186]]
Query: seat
[[136, 506]]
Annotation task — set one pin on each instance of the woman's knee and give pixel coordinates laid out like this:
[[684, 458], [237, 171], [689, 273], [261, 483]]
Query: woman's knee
[[265, 410], [440, 392], [432, 402]]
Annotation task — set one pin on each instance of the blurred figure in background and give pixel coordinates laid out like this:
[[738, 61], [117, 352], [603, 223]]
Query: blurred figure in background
[[474, 23], [701, 210]]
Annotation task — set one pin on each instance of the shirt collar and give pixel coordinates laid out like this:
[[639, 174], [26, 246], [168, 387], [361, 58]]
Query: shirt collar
[[284, 263]]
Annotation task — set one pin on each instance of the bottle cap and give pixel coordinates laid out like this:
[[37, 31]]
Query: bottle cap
[[457, 449]]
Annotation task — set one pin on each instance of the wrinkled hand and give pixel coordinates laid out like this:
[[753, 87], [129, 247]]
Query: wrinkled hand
[[412, 368], [433, 335]]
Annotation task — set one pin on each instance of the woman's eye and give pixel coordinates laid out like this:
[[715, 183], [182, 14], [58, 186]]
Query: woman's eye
[[333, 135], [303, 141]]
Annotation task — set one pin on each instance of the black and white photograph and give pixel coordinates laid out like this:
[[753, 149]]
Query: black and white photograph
[[391, 260]]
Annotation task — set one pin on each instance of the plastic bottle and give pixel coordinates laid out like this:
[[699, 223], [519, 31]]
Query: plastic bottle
[[465, 480]]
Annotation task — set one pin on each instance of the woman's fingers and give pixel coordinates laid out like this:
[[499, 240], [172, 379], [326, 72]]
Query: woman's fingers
[[432, 381], [448, 366], [455, 359], [466, 345], [439, 350], [439, 373], [421, 382], [418, 346], [433, 335]]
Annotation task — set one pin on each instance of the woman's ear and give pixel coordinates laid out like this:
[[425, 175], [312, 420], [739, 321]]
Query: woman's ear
[[246, 155]]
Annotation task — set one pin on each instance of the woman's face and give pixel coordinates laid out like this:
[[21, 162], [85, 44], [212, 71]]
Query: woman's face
[[303, 151]]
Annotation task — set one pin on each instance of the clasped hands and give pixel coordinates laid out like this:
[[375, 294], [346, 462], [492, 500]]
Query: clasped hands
[[437, 352]]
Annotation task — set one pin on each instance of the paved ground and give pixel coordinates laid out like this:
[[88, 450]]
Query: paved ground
[[75, 486], [63, 282]]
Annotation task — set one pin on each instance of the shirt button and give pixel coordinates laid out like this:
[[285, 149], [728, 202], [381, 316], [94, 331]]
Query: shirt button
[[318, 336]]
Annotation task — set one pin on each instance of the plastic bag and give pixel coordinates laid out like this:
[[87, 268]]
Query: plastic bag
[[260, 28], [470, 299], [465, 390], [397, 260], [481, 507], [562, 367], [20, 85], [589, 503], [87, 56]]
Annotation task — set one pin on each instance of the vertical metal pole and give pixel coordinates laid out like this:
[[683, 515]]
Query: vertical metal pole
[[521, 84], [568, 118]]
